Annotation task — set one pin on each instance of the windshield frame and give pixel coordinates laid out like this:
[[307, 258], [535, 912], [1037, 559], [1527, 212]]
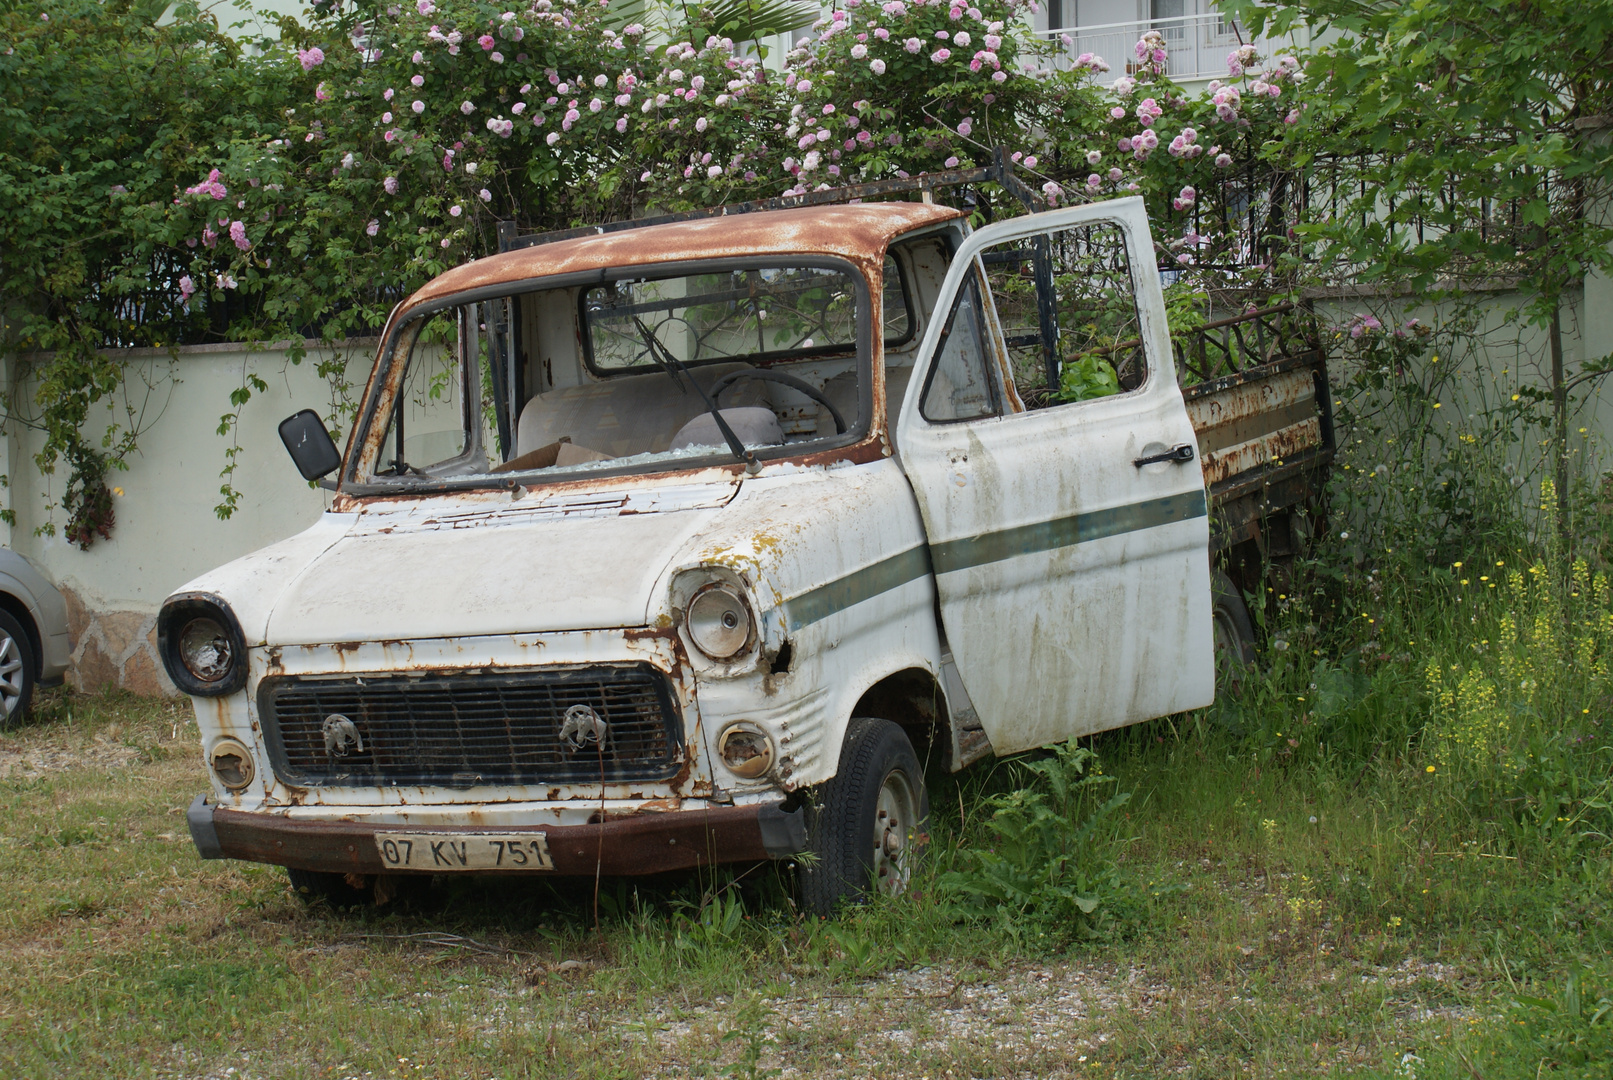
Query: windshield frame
[[368, 435]]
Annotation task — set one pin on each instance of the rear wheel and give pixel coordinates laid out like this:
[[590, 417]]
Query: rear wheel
[[17, 670], [1234, 633], [337, 890], [867, 828]]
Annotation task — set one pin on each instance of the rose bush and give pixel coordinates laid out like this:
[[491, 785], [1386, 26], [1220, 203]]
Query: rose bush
[[301, 187], [909, 86]]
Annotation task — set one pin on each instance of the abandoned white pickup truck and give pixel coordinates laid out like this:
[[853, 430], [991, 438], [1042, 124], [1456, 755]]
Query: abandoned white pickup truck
[[664, 545]]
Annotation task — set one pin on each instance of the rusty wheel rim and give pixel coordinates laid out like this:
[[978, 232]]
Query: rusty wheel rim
[[896, 813]]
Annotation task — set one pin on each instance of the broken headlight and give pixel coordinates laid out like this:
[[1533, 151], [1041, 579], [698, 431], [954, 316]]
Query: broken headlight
[[201, 646]]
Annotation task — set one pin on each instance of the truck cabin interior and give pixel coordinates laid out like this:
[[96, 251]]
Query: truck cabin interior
[[626, 373]]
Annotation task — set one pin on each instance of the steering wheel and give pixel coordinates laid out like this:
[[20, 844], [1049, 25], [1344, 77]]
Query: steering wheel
[[782, 379]]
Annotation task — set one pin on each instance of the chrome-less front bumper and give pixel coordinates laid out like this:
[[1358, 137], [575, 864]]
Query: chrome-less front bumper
[[645, 843]]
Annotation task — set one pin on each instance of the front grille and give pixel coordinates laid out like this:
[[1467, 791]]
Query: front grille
[[464, 730]]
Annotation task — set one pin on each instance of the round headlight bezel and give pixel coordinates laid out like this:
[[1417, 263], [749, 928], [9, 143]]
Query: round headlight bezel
[[177, 625], [718, 621]]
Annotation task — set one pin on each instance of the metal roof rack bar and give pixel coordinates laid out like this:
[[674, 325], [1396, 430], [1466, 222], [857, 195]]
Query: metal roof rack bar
[[1000, 171]]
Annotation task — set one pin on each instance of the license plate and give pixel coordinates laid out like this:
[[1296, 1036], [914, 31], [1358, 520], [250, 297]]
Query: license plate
[[442, 852]]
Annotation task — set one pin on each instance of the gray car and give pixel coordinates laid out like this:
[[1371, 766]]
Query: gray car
[[34, 645]]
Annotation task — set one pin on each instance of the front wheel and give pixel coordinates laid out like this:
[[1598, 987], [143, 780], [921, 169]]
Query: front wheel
[[867, 827]]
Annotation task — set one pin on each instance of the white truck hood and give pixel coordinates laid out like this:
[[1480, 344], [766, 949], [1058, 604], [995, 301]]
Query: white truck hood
[[451, 568]]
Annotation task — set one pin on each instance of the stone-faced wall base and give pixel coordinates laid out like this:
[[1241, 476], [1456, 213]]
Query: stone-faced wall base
[[114, 649]]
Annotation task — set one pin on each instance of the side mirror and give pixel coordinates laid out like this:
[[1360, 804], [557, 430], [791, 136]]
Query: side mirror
[[309, 444]]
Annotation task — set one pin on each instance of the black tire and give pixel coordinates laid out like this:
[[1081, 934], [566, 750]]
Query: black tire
[[316, 886], [19, 670], [1234, 633], [862, 805]]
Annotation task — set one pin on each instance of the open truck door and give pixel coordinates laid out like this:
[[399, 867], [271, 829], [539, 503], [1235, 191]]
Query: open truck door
[[1069, 538]]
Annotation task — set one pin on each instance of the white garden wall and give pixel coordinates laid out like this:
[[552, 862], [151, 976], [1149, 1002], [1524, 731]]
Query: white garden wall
[[167, 531], [1504, 355]]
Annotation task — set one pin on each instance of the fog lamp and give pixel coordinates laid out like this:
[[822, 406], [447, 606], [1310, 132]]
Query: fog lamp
[[745, 751], [232, 764]]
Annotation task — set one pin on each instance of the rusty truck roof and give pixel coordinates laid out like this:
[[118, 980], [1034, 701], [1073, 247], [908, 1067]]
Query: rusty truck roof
[[858, 233]]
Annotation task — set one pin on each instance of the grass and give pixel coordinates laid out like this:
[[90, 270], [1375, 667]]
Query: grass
[[1295, 892]]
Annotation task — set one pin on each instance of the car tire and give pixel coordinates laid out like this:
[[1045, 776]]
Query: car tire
[[335, 890], [19, 670], [866, 827], [1234, 633]]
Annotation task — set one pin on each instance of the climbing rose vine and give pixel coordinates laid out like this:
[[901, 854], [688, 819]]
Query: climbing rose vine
[[309, 183]]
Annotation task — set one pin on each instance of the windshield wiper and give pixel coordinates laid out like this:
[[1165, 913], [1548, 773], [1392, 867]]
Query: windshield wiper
[[674, 367]]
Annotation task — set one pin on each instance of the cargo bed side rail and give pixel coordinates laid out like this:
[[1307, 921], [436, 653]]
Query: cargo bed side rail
[[1263, 415]]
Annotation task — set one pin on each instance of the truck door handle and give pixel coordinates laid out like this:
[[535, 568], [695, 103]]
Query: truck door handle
[[1183, 452]]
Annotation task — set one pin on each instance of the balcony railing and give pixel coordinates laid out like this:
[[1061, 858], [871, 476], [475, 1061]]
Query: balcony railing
[[1197, 45]]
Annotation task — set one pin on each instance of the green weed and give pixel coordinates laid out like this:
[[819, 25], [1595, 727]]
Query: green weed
[[1049, 874]]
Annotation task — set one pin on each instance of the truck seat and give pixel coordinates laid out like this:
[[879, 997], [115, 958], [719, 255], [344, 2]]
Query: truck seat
[[842, 390], [630, 414]]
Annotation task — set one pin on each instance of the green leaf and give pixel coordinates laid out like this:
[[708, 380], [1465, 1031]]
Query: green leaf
[[1087, 377]]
